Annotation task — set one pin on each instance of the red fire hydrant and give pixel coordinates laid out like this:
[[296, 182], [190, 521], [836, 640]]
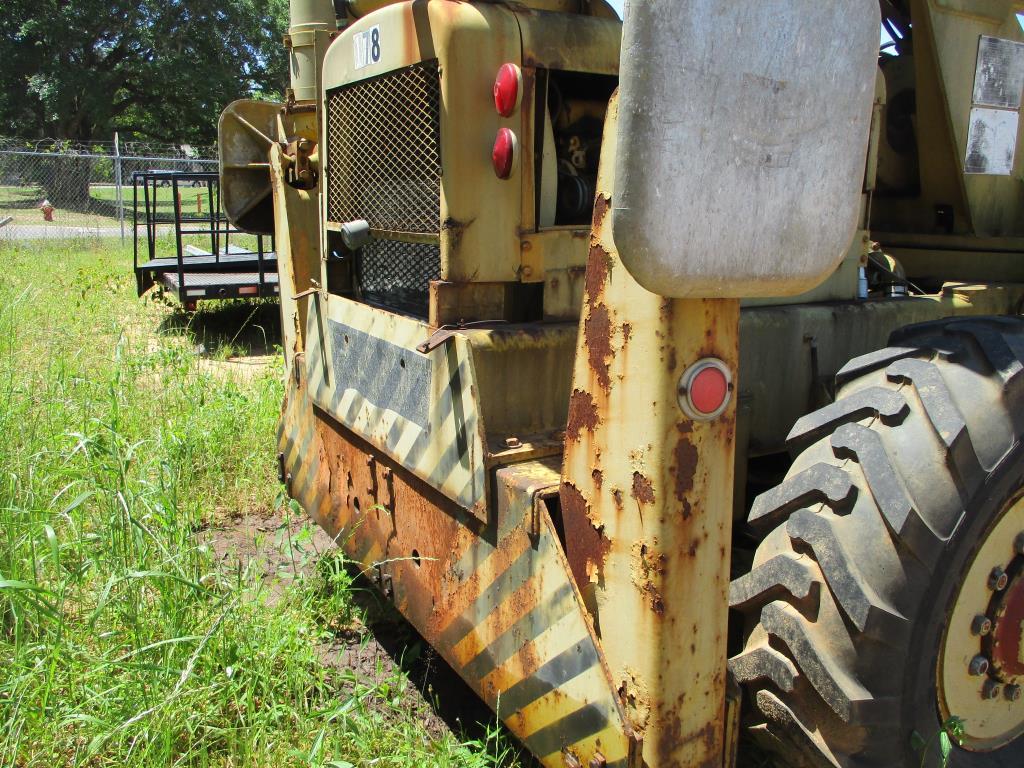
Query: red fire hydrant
[[47, 208]]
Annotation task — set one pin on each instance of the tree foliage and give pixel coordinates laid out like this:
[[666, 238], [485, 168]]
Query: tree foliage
[[162, 69]]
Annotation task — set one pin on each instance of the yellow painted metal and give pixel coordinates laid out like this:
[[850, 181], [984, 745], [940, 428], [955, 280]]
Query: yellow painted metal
[[988, 723], [647, 498], [488, 232], [360, 8], [311, 24], [296, 223], [632, 566], [479, 212]]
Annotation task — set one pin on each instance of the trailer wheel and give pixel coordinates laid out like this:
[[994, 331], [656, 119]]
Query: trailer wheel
[[885, 607]]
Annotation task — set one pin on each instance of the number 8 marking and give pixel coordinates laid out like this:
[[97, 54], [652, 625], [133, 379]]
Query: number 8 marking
[[375, 45]]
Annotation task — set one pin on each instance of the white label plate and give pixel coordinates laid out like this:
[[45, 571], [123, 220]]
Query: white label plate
[[366, 47], [999, 78], [991, 142]]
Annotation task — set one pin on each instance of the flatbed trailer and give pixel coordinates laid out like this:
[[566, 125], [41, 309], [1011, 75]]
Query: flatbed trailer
[[216, 269]]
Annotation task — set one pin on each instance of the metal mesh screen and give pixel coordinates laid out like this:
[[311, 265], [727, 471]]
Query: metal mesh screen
[[398, 274], [384, 157]]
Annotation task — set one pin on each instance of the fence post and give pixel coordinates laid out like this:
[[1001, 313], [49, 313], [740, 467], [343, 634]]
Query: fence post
[[119, 194]]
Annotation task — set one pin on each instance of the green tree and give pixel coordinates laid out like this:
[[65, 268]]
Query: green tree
[[160, 69]]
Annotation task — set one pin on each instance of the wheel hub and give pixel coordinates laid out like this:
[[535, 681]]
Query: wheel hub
[[1005, 645], [980, 673]]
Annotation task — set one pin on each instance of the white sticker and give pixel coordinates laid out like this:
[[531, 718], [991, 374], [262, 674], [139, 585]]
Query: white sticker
[[999, 78], [991, 142], [366, 46]]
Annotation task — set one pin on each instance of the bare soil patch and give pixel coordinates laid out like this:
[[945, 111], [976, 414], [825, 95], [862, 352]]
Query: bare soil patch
[[377, 645]]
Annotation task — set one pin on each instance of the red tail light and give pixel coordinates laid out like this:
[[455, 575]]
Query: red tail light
[[507, 87], [504, 153], [705, 389]]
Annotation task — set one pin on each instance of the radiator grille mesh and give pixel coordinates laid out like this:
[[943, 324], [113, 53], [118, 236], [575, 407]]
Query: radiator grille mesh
[[397, 274], [384, 158]]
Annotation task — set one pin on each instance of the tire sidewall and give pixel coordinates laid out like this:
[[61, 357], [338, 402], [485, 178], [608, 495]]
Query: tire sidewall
[[920, 708]]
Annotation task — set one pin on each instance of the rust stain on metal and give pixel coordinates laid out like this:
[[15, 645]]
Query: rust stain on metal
[[586, 543], [667, 310], [627, 332], [643, 490], [601, 206], [598, 477], [670, 360], [672, 740], [599, 266], [685, 466], [598, 332], [582, 415]]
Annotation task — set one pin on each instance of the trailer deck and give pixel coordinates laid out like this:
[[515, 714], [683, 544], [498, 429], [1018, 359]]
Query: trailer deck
[[190, 254]]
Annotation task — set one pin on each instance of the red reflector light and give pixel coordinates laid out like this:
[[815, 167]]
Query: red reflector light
[[708, 390], [704, 389], [504, 153], [506, 89]]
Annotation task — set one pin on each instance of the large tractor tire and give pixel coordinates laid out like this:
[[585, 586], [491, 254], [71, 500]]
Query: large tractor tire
[[885, 607]]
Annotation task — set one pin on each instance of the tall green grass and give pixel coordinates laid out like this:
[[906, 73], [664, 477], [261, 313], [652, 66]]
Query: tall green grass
[[123, 640]]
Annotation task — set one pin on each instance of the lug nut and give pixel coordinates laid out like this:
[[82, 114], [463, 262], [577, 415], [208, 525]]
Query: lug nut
[[978, 666], [991, 690], [981, 625], [997, 580], [1012, 692]]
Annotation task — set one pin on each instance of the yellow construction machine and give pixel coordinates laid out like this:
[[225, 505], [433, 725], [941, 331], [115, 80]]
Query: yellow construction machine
[[666, 373]]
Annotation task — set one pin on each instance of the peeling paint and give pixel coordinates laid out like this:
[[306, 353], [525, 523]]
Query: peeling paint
[[598, 330], [648, 570], [635, 698], [586, 544], [599, 267], [582, 415], [601, 206], [643, 490], [685, 467]]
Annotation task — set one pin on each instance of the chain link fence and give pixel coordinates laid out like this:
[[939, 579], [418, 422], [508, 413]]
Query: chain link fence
[[59, 189]]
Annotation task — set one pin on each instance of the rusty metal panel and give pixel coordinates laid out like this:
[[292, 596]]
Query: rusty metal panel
[[472, 402], [447, 448], [495, 598], [647, 498], [296, 220]]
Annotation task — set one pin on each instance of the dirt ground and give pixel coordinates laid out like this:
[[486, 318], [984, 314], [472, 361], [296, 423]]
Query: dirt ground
[[370, 651]]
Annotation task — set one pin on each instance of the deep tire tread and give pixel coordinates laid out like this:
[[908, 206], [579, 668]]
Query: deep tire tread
[[819, 484], [885, 404], [827, 626]]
